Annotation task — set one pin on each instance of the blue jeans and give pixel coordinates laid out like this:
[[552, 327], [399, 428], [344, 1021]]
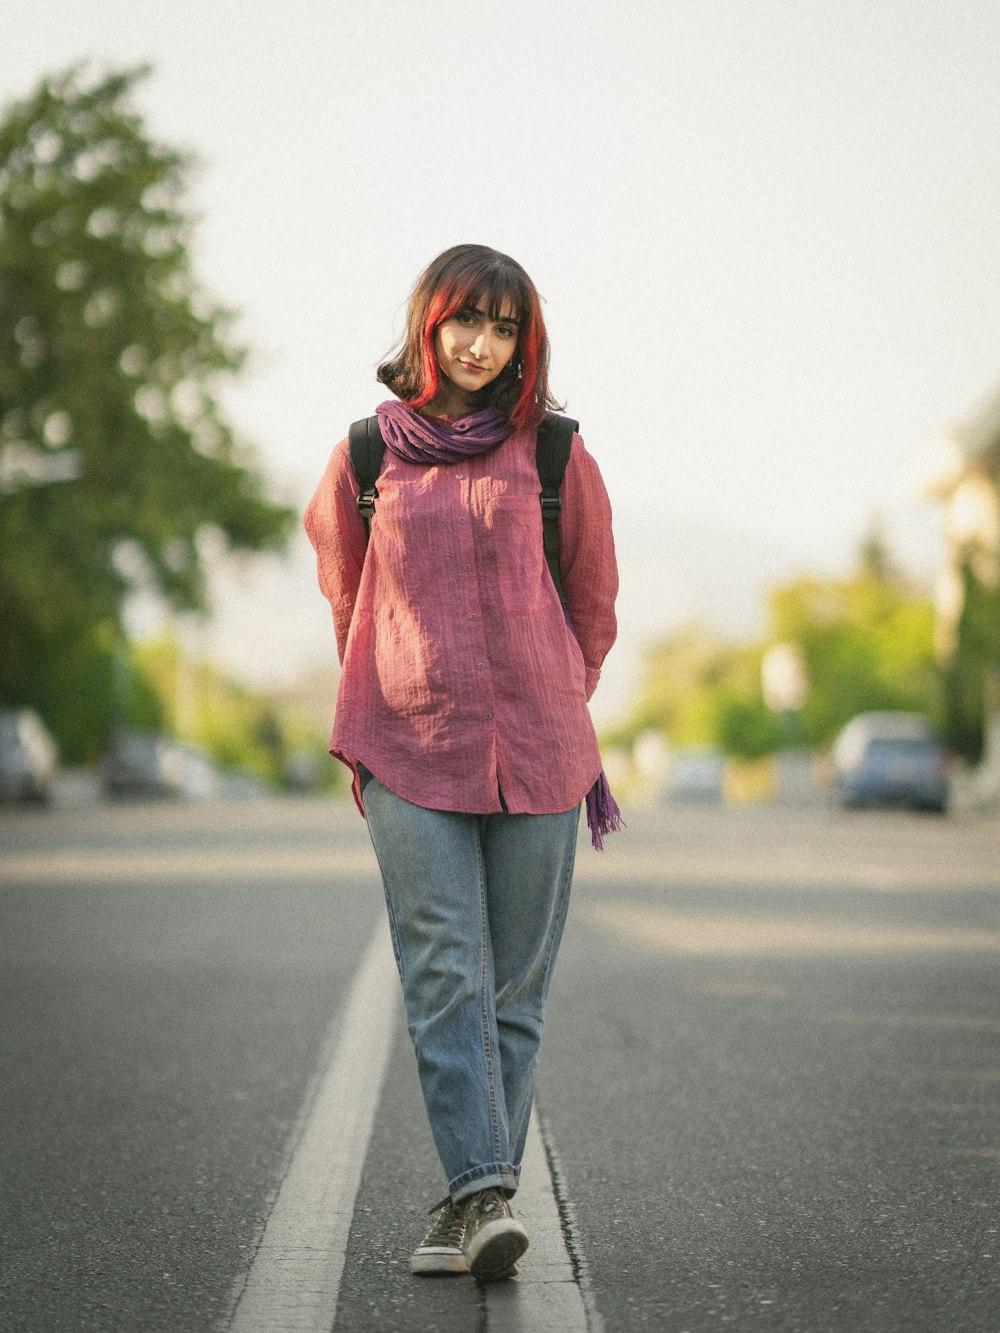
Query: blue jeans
[[477, 905]]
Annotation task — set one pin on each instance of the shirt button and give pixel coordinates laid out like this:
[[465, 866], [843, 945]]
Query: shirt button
[[473, 616], [459, 476], [487, 717], [461, 520], [466, 568], [480, 666]]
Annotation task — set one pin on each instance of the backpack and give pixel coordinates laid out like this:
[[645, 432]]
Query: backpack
[[555, 435]]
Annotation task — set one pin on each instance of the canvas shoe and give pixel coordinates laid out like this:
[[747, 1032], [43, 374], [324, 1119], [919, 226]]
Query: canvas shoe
[[441, 1252], [494, 1240]]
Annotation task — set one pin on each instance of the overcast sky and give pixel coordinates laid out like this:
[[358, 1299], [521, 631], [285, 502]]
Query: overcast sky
[[766, 233]]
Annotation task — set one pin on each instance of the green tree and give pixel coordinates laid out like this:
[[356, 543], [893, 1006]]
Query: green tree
[[678, 673], [866, 643], [745, 726], [111, 359], [241, 729], [973, 669], [701, 690]]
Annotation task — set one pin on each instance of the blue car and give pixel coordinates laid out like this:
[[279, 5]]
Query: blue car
[[891, 759]]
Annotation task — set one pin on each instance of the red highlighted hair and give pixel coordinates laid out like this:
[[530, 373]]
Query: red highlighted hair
[[475, 277]]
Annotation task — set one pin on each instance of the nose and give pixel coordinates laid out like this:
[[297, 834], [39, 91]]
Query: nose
[[480, 344]]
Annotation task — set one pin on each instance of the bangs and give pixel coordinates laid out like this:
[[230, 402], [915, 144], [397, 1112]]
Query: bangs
[[502, 296], [500, 293]]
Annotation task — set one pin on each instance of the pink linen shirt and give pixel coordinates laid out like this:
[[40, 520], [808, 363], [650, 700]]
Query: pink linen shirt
[[460, 675]]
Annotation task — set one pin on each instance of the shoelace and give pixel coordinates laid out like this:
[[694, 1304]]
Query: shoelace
[[449, 1226]]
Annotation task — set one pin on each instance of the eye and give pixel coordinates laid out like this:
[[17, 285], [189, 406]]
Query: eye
[[465, 317], [506, 331]]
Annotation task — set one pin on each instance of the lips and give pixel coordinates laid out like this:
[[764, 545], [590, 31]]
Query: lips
[[470, 365]]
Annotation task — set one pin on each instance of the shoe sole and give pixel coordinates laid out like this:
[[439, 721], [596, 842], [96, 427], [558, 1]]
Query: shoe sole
[[496, 1249], [438, 1263]]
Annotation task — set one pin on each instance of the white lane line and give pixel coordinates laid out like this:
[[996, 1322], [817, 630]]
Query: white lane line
[[237, 865], [294, 1279], [545, 1298]]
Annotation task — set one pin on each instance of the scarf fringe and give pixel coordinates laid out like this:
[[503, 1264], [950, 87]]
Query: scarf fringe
[[603, 814]]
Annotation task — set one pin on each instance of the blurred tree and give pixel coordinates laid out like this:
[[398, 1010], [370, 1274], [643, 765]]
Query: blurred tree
[[874, 555], [241, 729], [974, 664], [114, 455], [746, 727], [701, 690], [866, 642], [678, 672]]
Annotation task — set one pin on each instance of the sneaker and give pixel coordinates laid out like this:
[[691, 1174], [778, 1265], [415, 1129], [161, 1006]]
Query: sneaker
[[494, 1241], [441, 1251]]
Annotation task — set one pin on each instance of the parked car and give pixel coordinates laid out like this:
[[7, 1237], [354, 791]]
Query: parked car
[[200, 779], [891, 759], [142, 764], [150, 764], [28, 757], [695, 775]]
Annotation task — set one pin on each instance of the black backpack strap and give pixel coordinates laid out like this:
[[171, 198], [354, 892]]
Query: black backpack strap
[[367, 447], [552, 450], [555, 436]]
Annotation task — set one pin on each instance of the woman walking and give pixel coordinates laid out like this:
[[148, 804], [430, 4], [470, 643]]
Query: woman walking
[[462, 713]]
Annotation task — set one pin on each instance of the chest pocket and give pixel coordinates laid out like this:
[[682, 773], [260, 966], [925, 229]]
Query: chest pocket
[[517, 534]]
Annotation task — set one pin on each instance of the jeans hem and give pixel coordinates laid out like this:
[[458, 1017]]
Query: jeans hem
[[484, 1178]]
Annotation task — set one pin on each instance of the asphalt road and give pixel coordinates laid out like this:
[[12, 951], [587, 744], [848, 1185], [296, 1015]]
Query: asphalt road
[[769, 1082]]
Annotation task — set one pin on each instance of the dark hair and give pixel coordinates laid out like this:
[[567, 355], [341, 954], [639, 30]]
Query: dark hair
[[474, 276]]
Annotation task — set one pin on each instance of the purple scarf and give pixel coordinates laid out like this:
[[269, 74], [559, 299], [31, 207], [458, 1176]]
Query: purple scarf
[[420, 439]]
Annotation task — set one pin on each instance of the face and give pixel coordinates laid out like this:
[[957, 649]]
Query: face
[[473, 349]]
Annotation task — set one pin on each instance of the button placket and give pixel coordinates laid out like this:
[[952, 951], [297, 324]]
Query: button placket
[[474, 616], [465, 501]]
